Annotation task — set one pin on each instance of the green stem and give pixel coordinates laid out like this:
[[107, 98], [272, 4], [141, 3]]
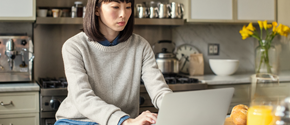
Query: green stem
[[267, 60], [261, 60], [261, 33]]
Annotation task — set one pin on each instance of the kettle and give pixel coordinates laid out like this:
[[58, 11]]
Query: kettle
[[167, 62]]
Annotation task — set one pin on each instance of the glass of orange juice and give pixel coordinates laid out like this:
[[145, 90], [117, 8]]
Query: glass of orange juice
[[260, 112]]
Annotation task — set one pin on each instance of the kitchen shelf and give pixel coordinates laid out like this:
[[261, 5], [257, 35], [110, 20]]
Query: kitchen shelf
[[138, 21]]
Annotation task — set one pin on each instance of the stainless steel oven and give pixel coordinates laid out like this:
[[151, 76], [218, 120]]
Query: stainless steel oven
[[52, 92]]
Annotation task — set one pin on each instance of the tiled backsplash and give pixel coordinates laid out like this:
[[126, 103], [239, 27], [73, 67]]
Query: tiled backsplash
[[227, 36], [231, 44]]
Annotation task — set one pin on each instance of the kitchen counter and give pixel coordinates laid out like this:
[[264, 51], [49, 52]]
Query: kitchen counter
[[13, 87], [213, 79]]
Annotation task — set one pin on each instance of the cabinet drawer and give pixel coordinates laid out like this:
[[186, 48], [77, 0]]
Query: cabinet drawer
[[20, 119], [241, 94], [21, 102]]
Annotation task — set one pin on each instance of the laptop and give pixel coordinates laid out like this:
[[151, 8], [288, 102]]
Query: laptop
[[201, 107]]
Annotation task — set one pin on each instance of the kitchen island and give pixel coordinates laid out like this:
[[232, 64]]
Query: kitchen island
[[212, 79], [242, 85]]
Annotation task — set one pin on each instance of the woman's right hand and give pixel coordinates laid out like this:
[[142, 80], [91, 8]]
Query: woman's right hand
[[145, 118]]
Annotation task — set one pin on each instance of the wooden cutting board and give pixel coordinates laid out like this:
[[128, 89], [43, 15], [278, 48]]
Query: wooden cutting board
[[229, 121]]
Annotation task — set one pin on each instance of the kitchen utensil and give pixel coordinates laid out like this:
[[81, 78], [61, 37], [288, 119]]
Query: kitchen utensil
[[153, 12], [55, 12], [162, 10], [42, 12], [157, 47], [65, 13], [183, 53], [176, 10], [224, 67], [79, 8], [142, 12], [167, 62]]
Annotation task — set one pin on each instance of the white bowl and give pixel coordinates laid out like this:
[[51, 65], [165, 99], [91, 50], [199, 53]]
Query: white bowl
[[224, 67]]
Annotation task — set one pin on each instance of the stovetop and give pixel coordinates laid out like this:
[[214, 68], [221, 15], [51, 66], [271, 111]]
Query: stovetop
[[52, 82], [175, 82], [177, 79], [179, 82]]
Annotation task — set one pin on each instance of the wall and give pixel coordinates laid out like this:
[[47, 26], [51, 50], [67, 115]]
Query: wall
[[50, 38], [8, 27], [231, 44]]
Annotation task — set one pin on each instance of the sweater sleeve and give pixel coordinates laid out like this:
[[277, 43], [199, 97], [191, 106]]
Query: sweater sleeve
[[153, 78], [81, 92]]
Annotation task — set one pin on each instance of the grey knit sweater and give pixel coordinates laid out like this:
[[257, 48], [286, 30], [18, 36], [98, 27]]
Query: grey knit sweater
[[104, 81]]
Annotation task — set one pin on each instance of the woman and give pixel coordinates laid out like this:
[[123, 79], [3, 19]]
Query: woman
[[103, 66]]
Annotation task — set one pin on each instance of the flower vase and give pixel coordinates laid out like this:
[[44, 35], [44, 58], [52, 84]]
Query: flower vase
[[266, 58]]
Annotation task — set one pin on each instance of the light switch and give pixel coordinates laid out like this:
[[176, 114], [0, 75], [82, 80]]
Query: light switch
[[213, 49]]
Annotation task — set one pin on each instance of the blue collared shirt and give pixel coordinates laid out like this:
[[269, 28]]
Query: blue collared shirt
[[107, 43]]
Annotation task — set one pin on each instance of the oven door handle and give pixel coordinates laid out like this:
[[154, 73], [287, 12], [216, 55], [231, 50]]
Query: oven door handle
[[2, 104]]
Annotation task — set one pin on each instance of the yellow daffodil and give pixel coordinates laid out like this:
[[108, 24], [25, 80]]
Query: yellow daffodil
[[250, 31], [283, 30], [274, 24], [250, 27], [260, 24], [265, 24], [268, 26], [245, 33]]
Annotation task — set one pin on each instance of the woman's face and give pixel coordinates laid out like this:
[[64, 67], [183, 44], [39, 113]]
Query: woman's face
[[114, 15]]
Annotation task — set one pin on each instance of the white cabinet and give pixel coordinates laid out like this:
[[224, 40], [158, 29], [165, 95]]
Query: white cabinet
[[256, 10], [232, 11], [211, 10], [283, 12], [19, 108], [17, 10]]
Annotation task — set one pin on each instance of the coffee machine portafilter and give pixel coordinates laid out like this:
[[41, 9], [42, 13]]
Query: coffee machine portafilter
[[10, 52]]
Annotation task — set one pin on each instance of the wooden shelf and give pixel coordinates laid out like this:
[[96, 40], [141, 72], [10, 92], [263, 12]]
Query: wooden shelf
[[138, 21]]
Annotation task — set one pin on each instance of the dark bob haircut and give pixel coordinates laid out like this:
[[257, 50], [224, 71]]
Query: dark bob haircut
[[91, 21]]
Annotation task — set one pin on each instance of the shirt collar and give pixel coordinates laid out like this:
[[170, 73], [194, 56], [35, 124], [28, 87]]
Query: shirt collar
[[107, 43]]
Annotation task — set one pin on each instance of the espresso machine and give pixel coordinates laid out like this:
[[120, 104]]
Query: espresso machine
[[16, 58]]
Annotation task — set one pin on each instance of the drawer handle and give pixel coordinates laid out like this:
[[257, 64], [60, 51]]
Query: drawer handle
[[2, 104]]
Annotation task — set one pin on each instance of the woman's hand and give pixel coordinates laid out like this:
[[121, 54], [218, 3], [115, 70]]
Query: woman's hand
[[145, 118]]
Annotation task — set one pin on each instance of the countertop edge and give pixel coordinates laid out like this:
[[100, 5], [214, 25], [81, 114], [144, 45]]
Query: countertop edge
[[243, 78], [19, 87]]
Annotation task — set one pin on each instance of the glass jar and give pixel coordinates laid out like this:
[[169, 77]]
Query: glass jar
[[79, 8], [260, 112], [281, 113], [73, 12], [65, 13], [266, 60]]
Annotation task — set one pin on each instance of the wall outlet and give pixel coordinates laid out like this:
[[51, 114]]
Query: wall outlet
[[213, 49]]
